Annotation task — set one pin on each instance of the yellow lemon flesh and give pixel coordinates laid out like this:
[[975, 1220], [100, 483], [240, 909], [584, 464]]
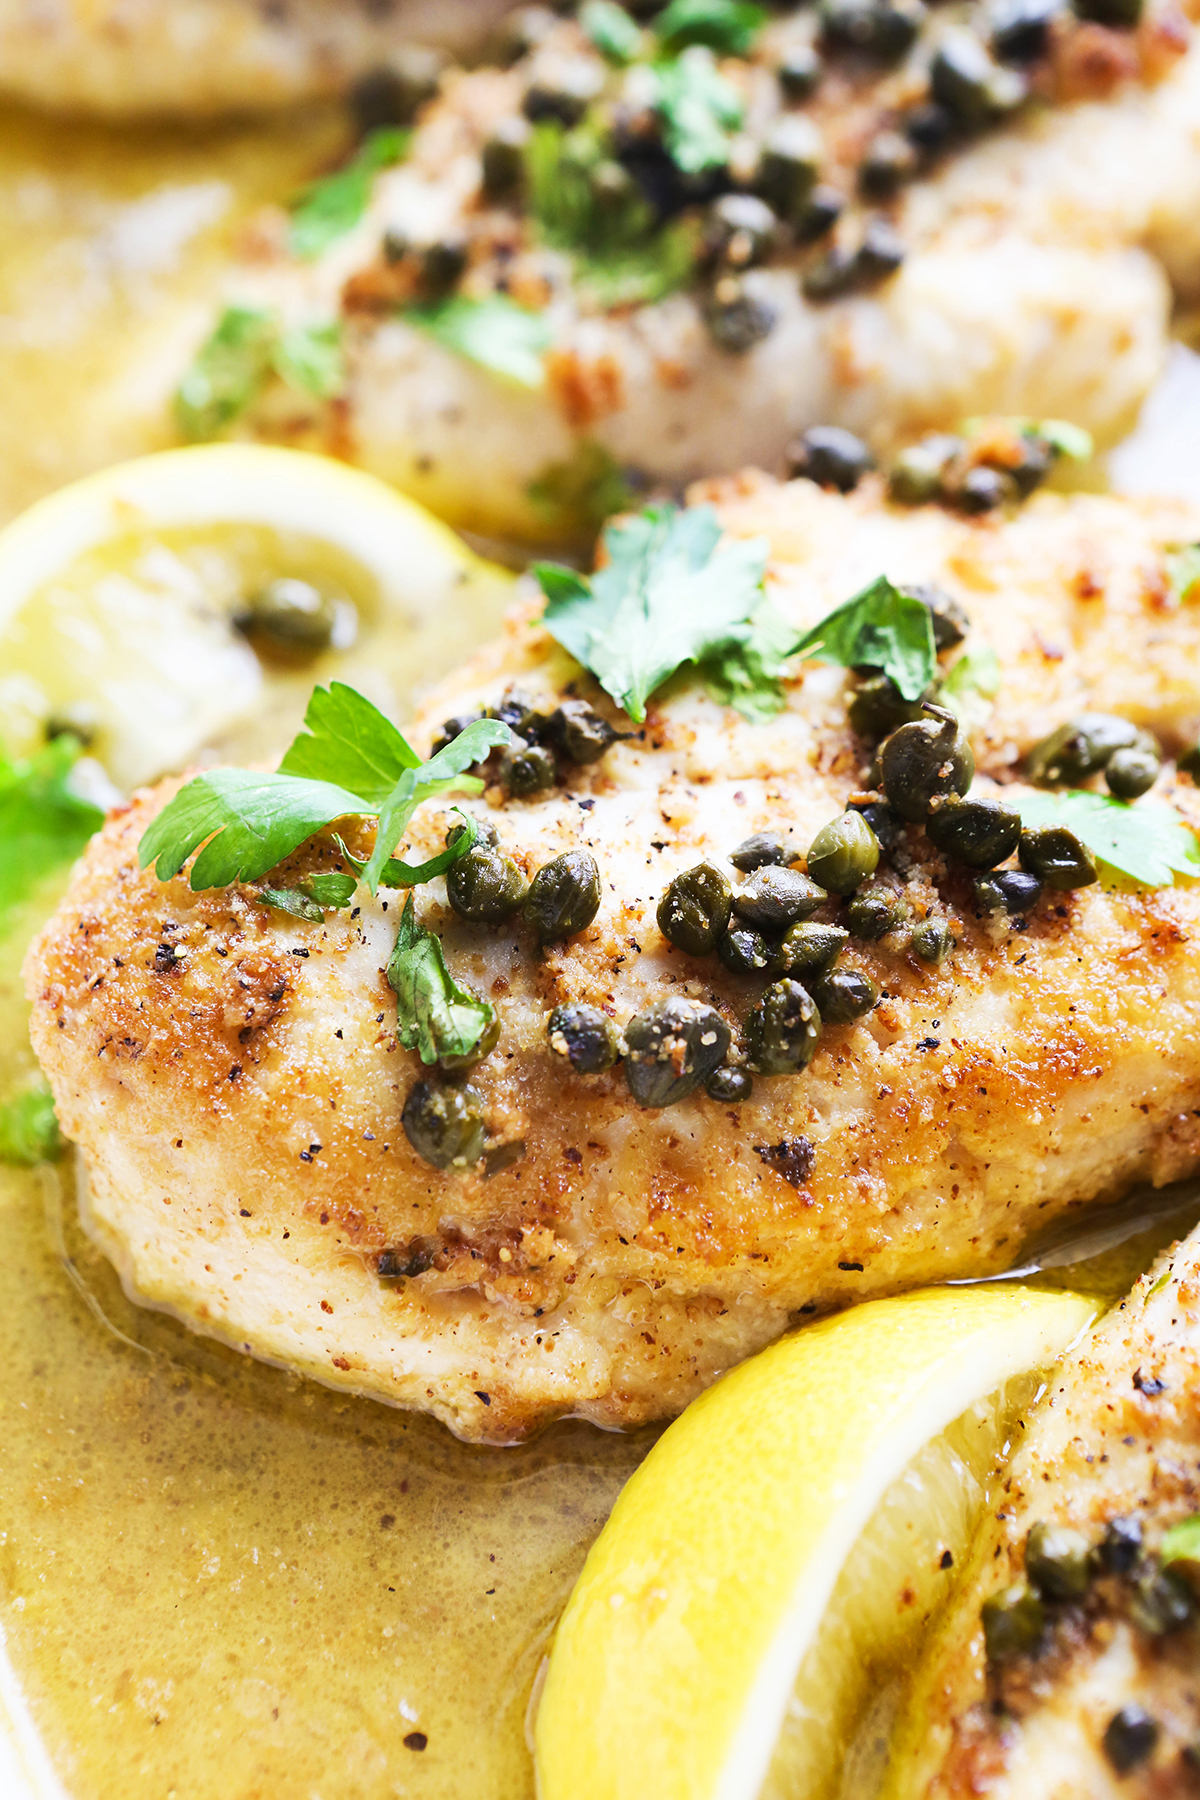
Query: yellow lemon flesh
[[119, 595], [677, 1655]]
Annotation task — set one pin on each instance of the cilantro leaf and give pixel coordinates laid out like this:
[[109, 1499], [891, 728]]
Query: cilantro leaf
[[332, 206], [726, 25], [667, 596], [1182, 1542], [348, 741], [496, 333], [348, 760], [433, 1014], [227, 372], [611, 29], [699, 110], [1148, 841], [42, 823], [879, 628], [747, 673], [310, 357], [973, 681], [1183, 572], [29, 1132]]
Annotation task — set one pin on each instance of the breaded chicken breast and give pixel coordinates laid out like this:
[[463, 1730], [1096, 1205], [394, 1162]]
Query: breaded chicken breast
[[121, 58], [862, 245], [233, 1077], [1067, 1664]]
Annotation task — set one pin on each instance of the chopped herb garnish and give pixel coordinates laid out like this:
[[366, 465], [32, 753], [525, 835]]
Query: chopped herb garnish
[[1183, 572], [1147, 841], [29, 1132], [583, 491], [434, 1015], [747, 673], [1182, 1542], [879, 628], [332, 206], [729, 26], [349, 761], [668, 595], [291, 900], [247, 346], [971, 684], [496, 333], [331, 890], [699, 111], [612, 30], [43, 824]]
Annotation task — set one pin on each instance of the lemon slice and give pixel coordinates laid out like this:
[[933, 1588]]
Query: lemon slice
[[677, 1654], [118, 594]]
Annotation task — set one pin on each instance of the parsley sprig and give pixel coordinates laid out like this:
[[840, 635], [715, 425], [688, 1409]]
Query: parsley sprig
[[349, 760], [435, 1016], [495, 333], [878, 628], [1145, 840], [43, 824], [245, 348]]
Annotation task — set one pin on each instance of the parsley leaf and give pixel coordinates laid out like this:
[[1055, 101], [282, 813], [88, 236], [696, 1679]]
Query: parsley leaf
[[496, 333], [611, 29], [726, 25], [971, 684], [249, 822], [699, 110], [747, 673], [433, 1014], [42, 823], [314, 894], [879, 628], [667, 596], [1183, 572], [291, 900], [332, 890], [332, 206], [246, 347], [1182, 1542], [29, 1132], [1148, 842]]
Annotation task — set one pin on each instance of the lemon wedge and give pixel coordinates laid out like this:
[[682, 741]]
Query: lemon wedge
[[674, 1662], [118, 596]]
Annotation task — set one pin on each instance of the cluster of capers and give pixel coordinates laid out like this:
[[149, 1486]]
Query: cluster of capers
[[973, 478], [1062, 1566], [1093, 743], [571, 731], [488, 887], [669, 1050]]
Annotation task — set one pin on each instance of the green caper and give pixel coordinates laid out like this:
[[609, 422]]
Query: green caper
[[694, 911], [883, 822], [799, 73], [580, 732], [950, 623], [844, 853], [452, 728], [969, 84], [393, 93], [1058, 1562], [916, 476], [783, 1029], [806, 948], [1057, 857], [1131, 772], [295, 621], [565, 96], [564, 896], [486, 834], [522, 714], [741, 229], [671, 1049], [442, 265], [979, 832], [774, 898], [744, 950], [1162, 1602], [483, 1046], [889, 160], [877, 707], [527, 769], [923, 760], [585, 1036], [981, 489], [759, 852], [845, 270], [874, 911], [1021, 28], [1078, 749], [791, 157], [1121, 1545], [829, 456], [444, 1125], [730, 1084], [485, 885], [503, 158], [881, 29], [844, 995], [737, 316], [1129, 1738], [1008, 891], [932, 940], [1014, 1621]]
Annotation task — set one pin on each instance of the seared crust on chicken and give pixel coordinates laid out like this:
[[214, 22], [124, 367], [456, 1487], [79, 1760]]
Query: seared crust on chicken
[[120, 58], [1032, 284], [1116, 1439], [233, 1078]]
